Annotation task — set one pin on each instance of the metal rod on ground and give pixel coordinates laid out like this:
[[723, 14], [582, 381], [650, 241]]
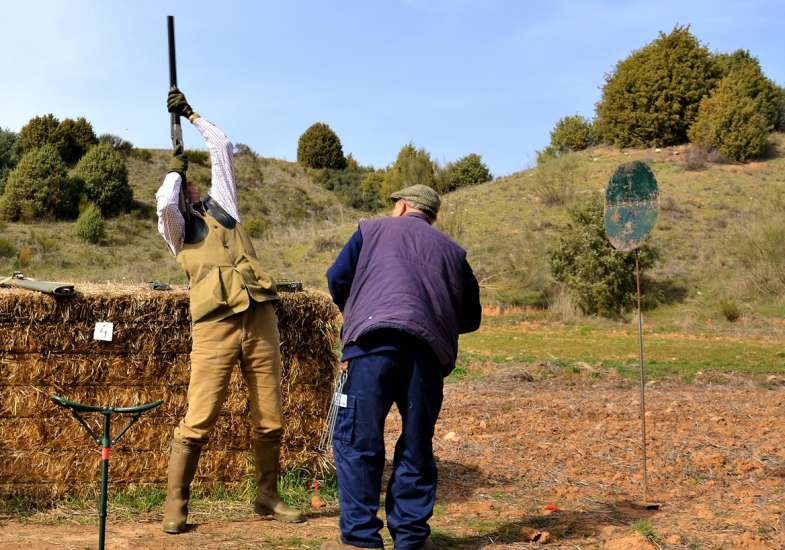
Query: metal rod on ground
[[643, 382]]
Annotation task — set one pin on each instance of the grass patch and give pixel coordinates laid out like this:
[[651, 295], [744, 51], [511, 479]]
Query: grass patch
[[645, 528]]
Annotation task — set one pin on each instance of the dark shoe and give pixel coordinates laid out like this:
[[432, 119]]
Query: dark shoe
[[428, 545], [183, 461], [338, 545], [268, 502]]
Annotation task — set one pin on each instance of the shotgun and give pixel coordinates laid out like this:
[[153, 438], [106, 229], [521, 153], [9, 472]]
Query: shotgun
[[176, 130]]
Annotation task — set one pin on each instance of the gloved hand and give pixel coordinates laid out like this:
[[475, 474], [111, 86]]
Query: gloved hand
[[177, 104], [179, 162]]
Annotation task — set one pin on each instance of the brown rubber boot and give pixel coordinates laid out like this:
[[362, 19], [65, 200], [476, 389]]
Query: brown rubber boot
[[267, 459], [182, 466]]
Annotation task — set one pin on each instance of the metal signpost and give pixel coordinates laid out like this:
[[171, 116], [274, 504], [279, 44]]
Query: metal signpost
[[631, 203]]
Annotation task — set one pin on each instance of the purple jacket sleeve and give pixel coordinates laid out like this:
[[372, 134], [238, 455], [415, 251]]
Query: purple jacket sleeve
[[471, 309], [341, 273]]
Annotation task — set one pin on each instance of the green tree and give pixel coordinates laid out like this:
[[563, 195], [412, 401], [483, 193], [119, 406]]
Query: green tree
[[37, 132], [104, 176], [737, 118], [73, 138], [39, 187], [468, 170], [320, 147], [122, 146], [572, 133], [412, 166], [9, 155], [602, 278], [652, 96], [90, 226]]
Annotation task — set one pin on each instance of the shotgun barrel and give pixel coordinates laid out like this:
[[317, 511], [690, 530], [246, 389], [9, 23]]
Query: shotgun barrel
[[176, 128]]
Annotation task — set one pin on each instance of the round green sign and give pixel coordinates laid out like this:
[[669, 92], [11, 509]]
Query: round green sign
[[630, 205]]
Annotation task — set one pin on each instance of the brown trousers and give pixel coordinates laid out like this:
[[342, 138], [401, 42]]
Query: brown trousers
[[250, 339]]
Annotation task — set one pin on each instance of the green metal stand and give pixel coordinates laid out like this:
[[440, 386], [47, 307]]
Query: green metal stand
[[106, 441]]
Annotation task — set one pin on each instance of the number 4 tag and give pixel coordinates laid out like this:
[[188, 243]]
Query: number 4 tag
[[103, 331]]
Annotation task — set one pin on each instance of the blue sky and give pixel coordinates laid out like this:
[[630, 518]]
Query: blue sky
[[453, 76]]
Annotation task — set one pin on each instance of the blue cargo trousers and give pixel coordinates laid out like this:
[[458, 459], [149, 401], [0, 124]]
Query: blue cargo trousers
[[412, 379]]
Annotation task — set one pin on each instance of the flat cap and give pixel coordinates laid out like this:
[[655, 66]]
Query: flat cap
[[420, 197]]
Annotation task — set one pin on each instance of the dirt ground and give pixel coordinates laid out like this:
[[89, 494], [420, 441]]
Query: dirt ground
[[528, 456]]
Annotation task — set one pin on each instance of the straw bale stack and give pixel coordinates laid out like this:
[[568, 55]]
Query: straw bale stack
[[47, 347]]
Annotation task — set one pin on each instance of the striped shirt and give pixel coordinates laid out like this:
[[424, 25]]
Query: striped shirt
[[171, 224]]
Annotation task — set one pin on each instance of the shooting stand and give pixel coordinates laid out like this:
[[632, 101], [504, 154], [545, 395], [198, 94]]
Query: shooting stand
[[106, 441]]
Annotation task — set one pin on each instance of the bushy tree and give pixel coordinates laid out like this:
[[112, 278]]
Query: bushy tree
[[122, 146], [39, 187], [757, 86], [573, 133], [737, 118], [90, 226], [652, 96], [37, 132], [320, 147], [104, 176], [9, 155], [371, 187], [73, 138], [602, 278], [412, 166], [468, 170]]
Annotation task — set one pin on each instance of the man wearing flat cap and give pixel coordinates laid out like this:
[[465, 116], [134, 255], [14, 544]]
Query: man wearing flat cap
[[406, 291]]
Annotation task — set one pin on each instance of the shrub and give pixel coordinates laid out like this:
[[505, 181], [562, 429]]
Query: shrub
[[468, 170], [39, 187], [117, 143], [257, 227], [105, 179], [761, 254], [652, 96], [695, 157], [737, 118], [25, 257], [196, 156], [37, 132], [90, 226], [556, 180], [730, 310], [602, 278], [73, 138], [320, 147], [241, 149], [7, 248], [412, 166], [142, 154], [572, 133]]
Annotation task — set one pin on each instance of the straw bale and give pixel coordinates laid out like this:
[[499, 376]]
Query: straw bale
[[94, 303], [82, 369], [128, 337], [71, 467], [46, 347], [151, 433]]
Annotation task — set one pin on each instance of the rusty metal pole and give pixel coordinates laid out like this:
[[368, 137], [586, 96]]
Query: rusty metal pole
[[643, 382]]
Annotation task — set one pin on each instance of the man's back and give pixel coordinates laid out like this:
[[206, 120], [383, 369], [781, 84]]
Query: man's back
[[411, 276]]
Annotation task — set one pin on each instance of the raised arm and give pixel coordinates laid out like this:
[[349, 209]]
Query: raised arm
[[223, 189]]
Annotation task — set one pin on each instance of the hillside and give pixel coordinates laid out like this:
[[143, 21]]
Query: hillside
[[273, 193], [709, 220]]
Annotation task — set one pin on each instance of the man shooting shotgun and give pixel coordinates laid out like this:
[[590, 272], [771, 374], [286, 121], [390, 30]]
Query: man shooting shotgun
[[233, 321]]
